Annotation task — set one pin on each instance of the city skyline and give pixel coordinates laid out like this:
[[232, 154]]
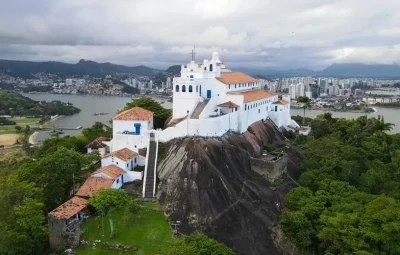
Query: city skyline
[[254, 34]]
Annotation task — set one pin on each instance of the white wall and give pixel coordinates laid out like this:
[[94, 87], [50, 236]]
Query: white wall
[[121, 141], [102, 151], [125, 165], [117, 183], [120, 126], [132, 176], [141, 161]]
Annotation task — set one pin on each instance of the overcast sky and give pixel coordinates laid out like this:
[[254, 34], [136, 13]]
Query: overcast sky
[[158, 33]]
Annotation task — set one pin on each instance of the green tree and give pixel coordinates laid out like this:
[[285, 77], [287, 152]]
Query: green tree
[[106, 200], [96, 130], [56, 133], [161, 115], [18, 129], [197, 244], [306, 103], [24, 232]]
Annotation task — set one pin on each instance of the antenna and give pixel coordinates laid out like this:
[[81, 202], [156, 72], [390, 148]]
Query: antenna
[[193, 53]]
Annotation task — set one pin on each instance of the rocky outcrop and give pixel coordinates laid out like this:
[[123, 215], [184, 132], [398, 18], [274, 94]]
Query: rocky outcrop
[[209, 186]]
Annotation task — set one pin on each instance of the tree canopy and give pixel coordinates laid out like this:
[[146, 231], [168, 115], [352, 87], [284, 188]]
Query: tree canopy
[[32, 187], [197, 244], [12, 103], [161, 114], [109, 199], [348, 202]]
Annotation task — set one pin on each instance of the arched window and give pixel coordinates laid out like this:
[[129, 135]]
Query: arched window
[[183, 88], [205, 68], [177, 88], [211, 67], [197, 88], [190, 88]]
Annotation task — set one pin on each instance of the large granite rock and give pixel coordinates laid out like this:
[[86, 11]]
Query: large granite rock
[[209, 186]]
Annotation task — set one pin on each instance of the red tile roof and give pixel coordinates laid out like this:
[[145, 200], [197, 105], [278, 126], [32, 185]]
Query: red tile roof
[[135, 113], [112, 170], [281, 102], [123, 154], [92, 185], [97, 143], [235, 77], [227, 104], [69, 208], [253, 94]]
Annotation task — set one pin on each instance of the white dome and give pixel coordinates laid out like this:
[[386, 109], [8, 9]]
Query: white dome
[[215, 56]]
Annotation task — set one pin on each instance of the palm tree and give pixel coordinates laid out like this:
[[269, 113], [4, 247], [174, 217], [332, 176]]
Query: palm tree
[[382, 126], [306, 103]]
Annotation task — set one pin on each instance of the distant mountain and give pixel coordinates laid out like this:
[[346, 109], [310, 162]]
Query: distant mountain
[[24, 69], [171, 71], [336, 70]]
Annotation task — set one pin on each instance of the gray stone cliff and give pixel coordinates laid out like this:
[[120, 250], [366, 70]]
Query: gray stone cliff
[[209, 186]]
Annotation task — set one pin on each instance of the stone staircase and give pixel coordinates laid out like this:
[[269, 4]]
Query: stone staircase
[[199, 108], [151, 164]]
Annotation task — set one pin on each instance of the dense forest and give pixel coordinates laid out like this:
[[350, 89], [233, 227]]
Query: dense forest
[[15, 104], [348, 198]]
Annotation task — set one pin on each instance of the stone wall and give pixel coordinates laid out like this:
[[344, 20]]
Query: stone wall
[[270, 169], [61, 233]]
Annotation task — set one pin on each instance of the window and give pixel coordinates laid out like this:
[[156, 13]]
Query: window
[[117, 163], [235, 86], [135, 160], [245, 107], [191, 76], [211, 67], [183, 88], [258, 110], [229, 86], [197, 88], [112, 159], [117, 180], [205, 68], [127, 165], [177, 88], [190, 88]]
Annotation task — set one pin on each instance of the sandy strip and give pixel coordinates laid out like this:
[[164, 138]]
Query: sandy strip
[[32, 137], [56, 118]]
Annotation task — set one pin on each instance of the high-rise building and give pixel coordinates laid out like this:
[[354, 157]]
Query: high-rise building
[[168, 83], [308, 80], [68, 82], [292, 91], [300, 89]]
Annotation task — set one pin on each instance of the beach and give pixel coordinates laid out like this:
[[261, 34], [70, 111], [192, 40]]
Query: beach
[[32, 137]]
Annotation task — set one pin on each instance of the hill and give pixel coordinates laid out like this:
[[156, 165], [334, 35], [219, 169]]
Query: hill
[[15, 104], [25, 69], [171, 71]]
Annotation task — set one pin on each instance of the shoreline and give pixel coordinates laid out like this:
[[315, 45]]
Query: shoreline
[[56, 118], [32, 137]]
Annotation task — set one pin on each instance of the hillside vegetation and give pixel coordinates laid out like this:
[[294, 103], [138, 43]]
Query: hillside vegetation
[[15, 104], [348, 202]]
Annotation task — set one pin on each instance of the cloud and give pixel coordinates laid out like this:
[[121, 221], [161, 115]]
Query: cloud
[[251, 33]]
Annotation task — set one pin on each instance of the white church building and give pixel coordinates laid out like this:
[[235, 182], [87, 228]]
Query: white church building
[[209, 100]]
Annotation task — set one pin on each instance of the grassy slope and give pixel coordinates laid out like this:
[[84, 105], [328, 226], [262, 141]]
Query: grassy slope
[[148, 230]]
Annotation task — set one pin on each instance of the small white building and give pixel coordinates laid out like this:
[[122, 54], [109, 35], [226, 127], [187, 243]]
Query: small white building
[[124, 158], [111, 172], [101, 144]]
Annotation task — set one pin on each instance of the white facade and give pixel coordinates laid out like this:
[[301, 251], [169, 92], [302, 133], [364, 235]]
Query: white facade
[[128, 126], [126, 165], [200, 89]]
